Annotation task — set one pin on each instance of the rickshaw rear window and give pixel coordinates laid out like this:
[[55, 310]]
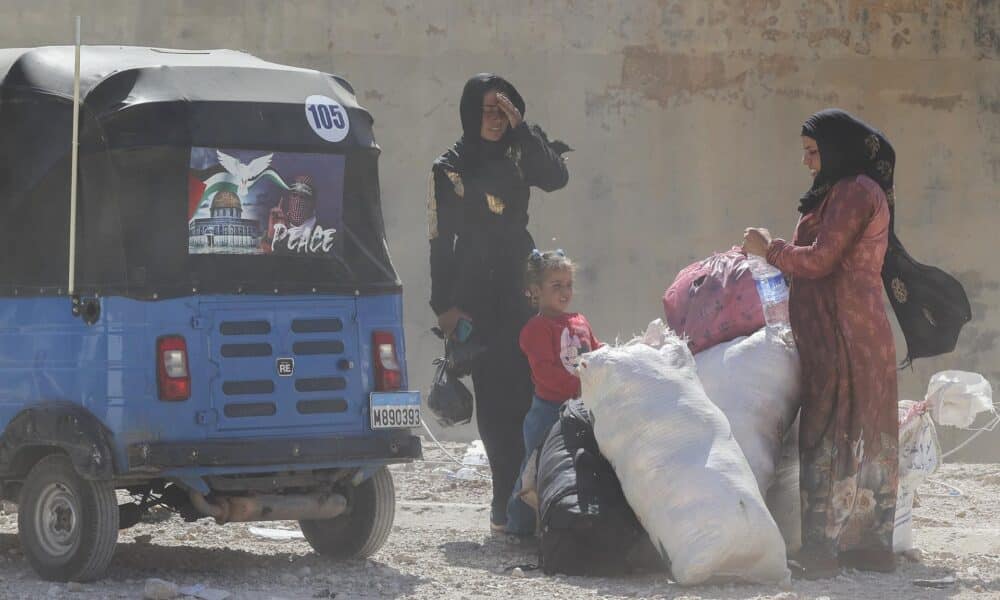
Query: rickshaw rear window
[[254, 203]]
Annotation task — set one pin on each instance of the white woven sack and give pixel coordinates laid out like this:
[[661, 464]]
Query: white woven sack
[[783, 496], [755, 381], [682, 472], [919, 458]]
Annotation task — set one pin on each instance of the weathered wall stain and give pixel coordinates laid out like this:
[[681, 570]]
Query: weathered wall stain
[[991, 104], [661, 76], [987, 19], [839, 34], [667, 76], [937, 103]]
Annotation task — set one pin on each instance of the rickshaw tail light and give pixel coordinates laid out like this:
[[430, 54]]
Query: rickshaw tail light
[[172, 376], [388, 375]]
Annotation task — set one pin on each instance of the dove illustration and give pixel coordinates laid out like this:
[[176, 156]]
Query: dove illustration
[[244, 173]]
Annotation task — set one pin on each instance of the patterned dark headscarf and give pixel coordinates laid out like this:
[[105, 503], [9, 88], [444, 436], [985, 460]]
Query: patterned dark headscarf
[[847, 146], [930, 305]]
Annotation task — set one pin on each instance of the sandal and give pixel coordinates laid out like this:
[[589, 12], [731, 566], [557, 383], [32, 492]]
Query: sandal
[[879, 561], [812, 567]]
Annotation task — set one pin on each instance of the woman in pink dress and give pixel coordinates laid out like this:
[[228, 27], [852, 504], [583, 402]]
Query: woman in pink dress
[[848, 433]]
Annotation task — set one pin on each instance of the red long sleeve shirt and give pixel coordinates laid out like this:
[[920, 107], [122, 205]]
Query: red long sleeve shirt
[[553, 345]]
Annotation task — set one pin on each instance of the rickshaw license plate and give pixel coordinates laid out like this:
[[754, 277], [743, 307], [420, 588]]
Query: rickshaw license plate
[[395, 410]]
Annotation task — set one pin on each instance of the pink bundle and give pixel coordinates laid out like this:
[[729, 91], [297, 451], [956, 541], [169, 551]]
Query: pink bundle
[[713, 301]]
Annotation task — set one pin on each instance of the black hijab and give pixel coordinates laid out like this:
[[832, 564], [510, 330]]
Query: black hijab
[[471, 148], [930, 305]]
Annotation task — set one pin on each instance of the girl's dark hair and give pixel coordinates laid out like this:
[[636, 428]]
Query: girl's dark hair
[[540, 263]]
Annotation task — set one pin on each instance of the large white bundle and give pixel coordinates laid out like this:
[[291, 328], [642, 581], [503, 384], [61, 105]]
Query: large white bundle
[[681, 470], [957, 397], [754, 380]]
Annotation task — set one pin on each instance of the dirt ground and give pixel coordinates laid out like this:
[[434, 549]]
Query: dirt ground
[[440, 547]]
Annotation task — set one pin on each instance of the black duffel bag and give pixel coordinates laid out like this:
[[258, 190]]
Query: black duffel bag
[[587, 526]]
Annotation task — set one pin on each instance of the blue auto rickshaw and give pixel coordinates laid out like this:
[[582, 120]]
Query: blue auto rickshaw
[[224, 335]]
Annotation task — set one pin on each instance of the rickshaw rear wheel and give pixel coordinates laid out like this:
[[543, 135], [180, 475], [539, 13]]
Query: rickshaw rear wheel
[[68, 526], [364, 526]]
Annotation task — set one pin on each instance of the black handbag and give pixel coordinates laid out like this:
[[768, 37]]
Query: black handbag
[[930, 305], [449, 400]]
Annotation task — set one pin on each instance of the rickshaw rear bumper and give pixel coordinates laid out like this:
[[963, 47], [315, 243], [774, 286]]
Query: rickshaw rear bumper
[[256, 453]]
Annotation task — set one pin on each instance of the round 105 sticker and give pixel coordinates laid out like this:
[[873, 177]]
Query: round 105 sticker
[[327, 118]]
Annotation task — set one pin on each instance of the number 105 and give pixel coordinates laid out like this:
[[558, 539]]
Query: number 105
[[327, 116]]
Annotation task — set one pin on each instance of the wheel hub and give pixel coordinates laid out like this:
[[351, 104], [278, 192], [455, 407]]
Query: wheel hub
[[57, 520]]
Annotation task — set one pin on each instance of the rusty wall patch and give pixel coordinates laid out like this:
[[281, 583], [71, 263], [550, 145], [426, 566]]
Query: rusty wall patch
[[661, 76]]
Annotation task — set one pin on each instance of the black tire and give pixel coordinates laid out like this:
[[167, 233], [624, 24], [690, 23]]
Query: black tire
[[363, 528], [68, 526]]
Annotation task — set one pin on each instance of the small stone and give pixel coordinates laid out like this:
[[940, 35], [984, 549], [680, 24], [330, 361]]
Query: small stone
[[75, 586], [158, 589], [913, 555], [143, 539], [786, 596], [304, 572], [517, 573], [405, 559], [961, 514]]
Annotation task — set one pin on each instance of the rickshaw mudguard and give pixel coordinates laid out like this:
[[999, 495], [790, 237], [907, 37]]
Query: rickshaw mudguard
[[59, 425]]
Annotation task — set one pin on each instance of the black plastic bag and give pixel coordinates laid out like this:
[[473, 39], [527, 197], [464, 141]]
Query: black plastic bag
[[449, 400]]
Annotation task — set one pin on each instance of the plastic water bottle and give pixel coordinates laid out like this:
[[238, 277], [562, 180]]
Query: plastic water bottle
[[773, 292]]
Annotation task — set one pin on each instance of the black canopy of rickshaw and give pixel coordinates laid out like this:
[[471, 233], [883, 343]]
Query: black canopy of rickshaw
[[142, 110]]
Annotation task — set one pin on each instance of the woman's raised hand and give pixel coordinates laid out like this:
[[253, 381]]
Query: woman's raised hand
[[513, 115], [756, 240]]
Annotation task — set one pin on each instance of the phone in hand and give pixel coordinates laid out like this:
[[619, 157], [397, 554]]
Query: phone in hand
[[463, 329]]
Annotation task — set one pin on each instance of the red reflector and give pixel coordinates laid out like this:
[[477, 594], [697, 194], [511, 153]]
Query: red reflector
[[388, 375], [173, 379]]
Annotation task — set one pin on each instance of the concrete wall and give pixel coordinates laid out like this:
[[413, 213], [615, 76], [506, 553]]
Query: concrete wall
[[685, 116]]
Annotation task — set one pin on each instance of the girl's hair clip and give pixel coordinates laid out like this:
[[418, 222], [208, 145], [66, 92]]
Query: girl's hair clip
[[559, 252], [535, 256]]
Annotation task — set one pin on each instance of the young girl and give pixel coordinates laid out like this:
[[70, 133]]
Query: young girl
[[552, 340]]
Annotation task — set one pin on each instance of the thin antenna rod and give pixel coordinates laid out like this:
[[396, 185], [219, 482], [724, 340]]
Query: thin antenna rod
[[73, 166]]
